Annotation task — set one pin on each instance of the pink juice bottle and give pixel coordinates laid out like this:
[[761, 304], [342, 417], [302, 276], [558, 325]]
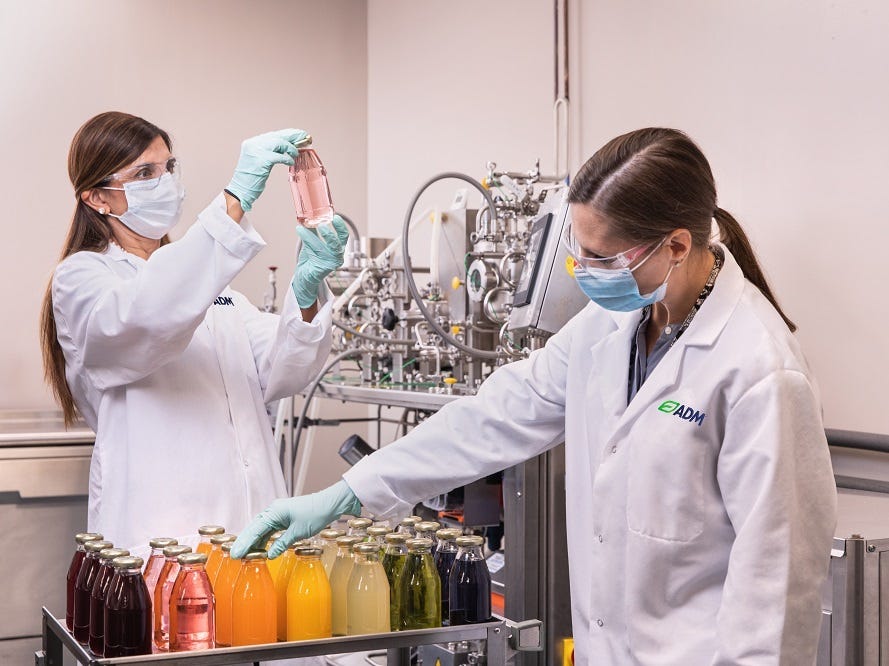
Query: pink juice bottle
[[311, 193], [162, 591], [156, 562], [192, 606]]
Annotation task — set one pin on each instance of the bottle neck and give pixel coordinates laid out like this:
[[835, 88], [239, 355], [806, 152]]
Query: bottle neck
[[470, 553], [395, 549], [447, 547]]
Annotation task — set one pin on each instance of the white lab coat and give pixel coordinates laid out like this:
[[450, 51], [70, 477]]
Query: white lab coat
[[696, 540], [173, 370]]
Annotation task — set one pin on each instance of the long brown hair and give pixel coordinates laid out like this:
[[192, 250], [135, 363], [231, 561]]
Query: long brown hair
[[104, 144], [652, 181]]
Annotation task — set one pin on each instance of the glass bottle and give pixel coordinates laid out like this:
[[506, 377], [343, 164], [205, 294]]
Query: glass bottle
[[162, 591], [368, 592], [394, 560], [155, 562], [206, 531], [469, 596], [444, 558], [308, 598], [339, 581], [83, 588], [274, 564], [358, 526], [97, 598], [214, 559], [426, 529], [310, 189], [286, 560], [127, 610], [377, 534], [419, 590], [222, 590], [328, 547], [73, 569], [192, 608], [409, 526], [254, 604]]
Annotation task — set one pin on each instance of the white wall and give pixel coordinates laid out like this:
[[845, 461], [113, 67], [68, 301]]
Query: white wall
[[211, 72]]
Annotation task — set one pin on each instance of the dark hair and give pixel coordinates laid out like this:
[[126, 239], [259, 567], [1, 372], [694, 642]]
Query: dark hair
[[652, 181], [104, 144]]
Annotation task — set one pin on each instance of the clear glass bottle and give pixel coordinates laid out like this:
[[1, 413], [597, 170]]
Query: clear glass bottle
[[83, 588], [162, 591], [192, 607], [127, 610], [73, 569], [393, 562], [367, 594], [377, 534], [358, 526], [310, 189], [426, 529], [419, 590], [469, 596], [339, 582], [155, 562], [214, 559], [206, 531], [444, 558], [223, 589], [97, 598], [328, 539], [254, 603], [409, 526], [308, 598]]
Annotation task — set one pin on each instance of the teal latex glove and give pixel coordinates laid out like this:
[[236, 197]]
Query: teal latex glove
[[301, 517], [258, 156], [321, 254]]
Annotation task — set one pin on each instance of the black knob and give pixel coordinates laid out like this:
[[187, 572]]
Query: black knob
[[389, 319]]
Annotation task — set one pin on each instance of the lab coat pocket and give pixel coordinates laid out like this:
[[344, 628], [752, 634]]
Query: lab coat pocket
[[665, 485]]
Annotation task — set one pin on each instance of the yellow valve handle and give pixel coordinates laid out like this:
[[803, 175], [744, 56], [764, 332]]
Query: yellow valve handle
[[456, 330], [456, 283], [450, 381]]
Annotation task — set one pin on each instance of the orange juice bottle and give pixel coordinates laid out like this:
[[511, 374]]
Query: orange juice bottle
[[223, 588], [214, 558], [287, 560], [308, 598], [274, 564], [254, 604], [206, 531]]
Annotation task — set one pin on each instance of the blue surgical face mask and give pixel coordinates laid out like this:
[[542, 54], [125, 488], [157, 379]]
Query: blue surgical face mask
[[617, 289]]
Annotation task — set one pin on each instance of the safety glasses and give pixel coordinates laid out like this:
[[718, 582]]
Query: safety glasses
[[145, 176], [615, 262]]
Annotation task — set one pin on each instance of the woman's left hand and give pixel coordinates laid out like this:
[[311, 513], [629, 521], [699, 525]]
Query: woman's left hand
[[321, 254]]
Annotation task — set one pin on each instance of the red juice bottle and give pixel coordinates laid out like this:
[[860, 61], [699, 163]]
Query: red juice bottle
[[156, 562], [83, 588], [192, 607], [97, 598], [127, 610], [73, 569]]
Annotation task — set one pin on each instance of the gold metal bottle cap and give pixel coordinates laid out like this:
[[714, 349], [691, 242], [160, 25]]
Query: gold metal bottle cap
[[256, 555], [192, 558], [307, 551], [111, 553], [366, 548], [397, 537], [127, 562], [470, 541], [419, 545], [176, 551], [219, 539], [330, 535], [428, 526], [210, 530], [83, 537], [360, 523], [377, 531], [448, 534], [163, 542], [411, 521], [349, 541], [96, 546]]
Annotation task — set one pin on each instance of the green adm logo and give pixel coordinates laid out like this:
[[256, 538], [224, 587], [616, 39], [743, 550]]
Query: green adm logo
[[678, 409]]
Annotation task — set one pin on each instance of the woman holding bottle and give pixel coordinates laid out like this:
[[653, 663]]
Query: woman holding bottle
[[697, 470], [148, 342]]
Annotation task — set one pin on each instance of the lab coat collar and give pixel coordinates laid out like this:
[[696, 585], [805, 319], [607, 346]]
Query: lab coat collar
[[116, 253]]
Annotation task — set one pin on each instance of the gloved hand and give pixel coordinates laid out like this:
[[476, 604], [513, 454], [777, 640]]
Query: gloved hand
[[321, 254], [258, 156], [301, 517]]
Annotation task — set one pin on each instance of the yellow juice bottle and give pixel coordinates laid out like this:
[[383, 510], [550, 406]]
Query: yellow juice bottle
[[254, 604], [328, 547], [367, 593], [339, 581], [274, 564], [282, 578], [308, 598]]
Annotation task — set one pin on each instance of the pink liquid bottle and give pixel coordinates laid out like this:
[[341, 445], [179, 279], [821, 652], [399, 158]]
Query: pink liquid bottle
[[192, 607], [162, 591], [156, 562], [311, 193], [83, 588], [127, 610], [97, 598], [73, 570]]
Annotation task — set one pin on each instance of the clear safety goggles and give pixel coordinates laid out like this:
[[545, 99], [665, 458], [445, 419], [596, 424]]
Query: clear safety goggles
[[620, 260], [145, 176]]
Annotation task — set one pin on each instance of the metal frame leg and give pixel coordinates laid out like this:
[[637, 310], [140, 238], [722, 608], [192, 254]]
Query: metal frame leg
[[51, 655]]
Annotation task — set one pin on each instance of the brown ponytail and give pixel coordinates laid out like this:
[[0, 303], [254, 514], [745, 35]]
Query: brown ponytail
[[652, 181], [103, 145], [734, 238]]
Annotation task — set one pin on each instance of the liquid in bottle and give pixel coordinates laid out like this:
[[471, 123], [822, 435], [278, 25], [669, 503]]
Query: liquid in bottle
[[127, 610], [73, 569], [223, 589], [310, 189], [97, 598], [469, 598], [394, 560], [254, 603], [444, 558], [214, 559], [192, 609], [308, 598], [156, 562], [162, 591], [419, 593], [286, 561], [328, 539], [83, 589], [368, 592], [206, 531], [339, 582]]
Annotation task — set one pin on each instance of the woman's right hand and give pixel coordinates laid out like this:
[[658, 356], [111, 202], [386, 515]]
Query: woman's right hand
[[258, 156]]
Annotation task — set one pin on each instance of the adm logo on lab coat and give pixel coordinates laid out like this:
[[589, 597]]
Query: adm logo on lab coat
[[224, 300], [682, 411]]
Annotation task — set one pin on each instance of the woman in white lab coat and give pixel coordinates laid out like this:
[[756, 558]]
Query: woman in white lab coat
[[700, 496], [171, 367]]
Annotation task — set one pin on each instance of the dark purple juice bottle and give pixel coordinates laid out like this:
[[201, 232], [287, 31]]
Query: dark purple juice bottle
[[83, 587], [444, 561], [469, 598], [97, 598], [73, 570], [127, 610]]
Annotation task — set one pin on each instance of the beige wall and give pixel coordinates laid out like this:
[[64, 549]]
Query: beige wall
[[212, 72]]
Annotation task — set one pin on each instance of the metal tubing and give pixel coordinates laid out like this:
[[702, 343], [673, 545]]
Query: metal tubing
[[863, 441]]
